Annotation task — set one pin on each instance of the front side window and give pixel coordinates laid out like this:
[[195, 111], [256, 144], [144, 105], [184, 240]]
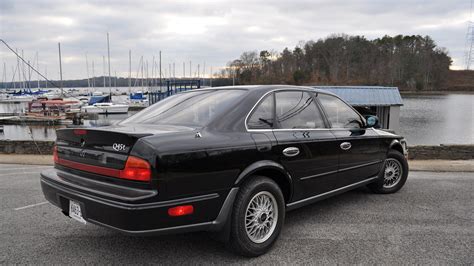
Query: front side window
[[297, 109], [339, 113], [262, 117], [193, 109]]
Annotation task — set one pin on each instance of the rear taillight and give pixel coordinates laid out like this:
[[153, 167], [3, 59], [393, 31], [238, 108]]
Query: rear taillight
[[80, 132], [55, 154], [136, 169]]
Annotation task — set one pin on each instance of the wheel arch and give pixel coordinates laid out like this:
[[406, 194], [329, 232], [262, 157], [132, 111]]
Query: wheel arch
[[396, 145], [272, 170]]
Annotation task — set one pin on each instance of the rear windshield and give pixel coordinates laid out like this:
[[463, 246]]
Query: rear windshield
[[194, 109]]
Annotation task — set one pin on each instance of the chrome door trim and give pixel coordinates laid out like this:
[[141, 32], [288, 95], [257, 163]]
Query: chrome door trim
[[302, 202], [341, 170]]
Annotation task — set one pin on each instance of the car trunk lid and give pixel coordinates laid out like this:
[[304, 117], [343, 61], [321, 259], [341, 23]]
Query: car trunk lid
[[107, 147]]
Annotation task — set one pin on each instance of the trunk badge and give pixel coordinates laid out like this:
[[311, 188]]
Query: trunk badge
[[83, 143], [119, 147]]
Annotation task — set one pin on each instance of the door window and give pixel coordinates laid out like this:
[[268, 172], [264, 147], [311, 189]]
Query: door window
[[339, 113], [262, 117], [297, 109]]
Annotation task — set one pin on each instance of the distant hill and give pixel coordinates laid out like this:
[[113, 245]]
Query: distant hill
[[457, 80], [460, 80]]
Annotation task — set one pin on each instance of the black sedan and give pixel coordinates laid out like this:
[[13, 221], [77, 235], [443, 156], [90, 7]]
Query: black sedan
[[231, 160]]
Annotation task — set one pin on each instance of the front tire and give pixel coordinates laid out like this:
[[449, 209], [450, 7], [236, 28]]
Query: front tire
[[257, 218], [393, 175]]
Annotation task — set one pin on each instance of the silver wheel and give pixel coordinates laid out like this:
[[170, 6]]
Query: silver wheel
[[261, 217], [392, 173]]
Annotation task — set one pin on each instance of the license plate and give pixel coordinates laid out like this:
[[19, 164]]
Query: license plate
[[75, 212]]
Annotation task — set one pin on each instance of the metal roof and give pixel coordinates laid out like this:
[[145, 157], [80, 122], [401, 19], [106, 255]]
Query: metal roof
[[366, 95]]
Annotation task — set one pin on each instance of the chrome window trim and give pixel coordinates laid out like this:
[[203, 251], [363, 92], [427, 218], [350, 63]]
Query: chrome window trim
[[280, 129], [297, 129]]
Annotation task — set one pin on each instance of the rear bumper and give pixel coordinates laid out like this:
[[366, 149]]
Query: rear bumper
[[134, 211]]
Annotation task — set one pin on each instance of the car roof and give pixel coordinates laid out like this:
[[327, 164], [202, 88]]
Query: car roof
[[267, 88]]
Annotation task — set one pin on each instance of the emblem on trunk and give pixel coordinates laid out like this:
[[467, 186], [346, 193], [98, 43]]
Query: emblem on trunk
[[83, 143], [119, 147]]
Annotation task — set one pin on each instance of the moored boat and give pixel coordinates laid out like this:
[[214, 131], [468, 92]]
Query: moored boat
[[105, 108]]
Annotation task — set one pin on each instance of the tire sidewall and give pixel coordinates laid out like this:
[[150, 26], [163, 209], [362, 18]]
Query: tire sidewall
[[247, 245], [404, 164]]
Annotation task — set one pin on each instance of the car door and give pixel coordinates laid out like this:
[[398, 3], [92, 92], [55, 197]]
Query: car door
[[360, 149], [305, 145]]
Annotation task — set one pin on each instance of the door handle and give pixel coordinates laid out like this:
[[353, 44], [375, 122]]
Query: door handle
[[346, 145], [291, 151]]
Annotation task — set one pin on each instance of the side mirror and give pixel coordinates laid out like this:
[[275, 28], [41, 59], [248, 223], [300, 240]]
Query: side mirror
[[372, 121]]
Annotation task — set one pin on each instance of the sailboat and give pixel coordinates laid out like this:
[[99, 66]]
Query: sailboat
[[103, 104]]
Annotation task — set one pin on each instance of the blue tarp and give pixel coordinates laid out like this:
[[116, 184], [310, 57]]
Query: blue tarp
[[99, 99], [137, 96], [366, 95]]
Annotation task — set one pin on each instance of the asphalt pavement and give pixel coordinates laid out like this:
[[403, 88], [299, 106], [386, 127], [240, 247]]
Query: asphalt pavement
[[430, 221]]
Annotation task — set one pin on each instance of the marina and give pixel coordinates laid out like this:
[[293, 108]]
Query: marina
[[424, 119]]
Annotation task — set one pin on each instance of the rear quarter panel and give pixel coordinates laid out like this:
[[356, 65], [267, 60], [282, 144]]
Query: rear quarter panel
[[188, 165]]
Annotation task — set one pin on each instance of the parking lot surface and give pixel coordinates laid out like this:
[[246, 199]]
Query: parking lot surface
[[430, 221]]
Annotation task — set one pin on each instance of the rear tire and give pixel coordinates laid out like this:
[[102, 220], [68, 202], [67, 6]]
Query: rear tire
[[393, 175], [257, 217]]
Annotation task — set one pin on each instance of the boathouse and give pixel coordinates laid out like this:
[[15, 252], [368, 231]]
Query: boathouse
[[384, 102]]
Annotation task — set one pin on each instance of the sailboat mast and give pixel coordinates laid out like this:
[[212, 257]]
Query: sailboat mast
[[160, 72], [46, 77], [60, 71], [129, 71], [18, 69], [13, 78], [93, 75], [143, 67], [153, 72], [108, 56], [23, 70], [103, 67], [87, 70], [37, 66]]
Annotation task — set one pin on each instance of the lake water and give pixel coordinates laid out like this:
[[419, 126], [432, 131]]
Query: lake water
[[424, 119], [438, 119]]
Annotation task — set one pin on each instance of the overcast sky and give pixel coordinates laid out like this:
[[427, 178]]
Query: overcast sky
[[213, 32]]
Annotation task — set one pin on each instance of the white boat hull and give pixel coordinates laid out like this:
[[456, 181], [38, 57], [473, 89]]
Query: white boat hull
[[113, 109]]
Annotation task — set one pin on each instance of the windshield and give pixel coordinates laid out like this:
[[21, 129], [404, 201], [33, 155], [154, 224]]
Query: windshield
[[194, 109]]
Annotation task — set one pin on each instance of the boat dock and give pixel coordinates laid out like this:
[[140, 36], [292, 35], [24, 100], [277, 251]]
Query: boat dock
[[34, 120]]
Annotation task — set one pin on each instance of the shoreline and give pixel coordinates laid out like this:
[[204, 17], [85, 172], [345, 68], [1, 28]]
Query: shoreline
[[414, 165], [443, 92]]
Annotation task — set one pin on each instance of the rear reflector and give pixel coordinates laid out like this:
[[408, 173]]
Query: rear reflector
[[135, 168], [181, 210]]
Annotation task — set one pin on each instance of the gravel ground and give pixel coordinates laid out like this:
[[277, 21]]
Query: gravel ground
[[430, 221]]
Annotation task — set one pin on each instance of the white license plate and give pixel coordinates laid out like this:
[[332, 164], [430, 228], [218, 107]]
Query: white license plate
[[75, 212]]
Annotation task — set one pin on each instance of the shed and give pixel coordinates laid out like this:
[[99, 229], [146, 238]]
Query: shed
[[384, 102]]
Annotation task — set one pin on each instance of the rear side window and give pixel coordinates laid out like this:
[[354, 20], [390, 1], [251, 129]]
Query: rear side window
[[339, 113], [262, 117], [195, 108], [297, 109]]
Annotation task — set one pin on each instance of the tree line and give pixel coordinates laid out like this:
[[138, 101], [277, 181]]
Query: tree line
[[408, 62]]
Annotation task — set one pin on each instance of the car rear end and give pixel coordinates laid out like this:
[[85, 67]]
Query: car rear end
[[109, 177]]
